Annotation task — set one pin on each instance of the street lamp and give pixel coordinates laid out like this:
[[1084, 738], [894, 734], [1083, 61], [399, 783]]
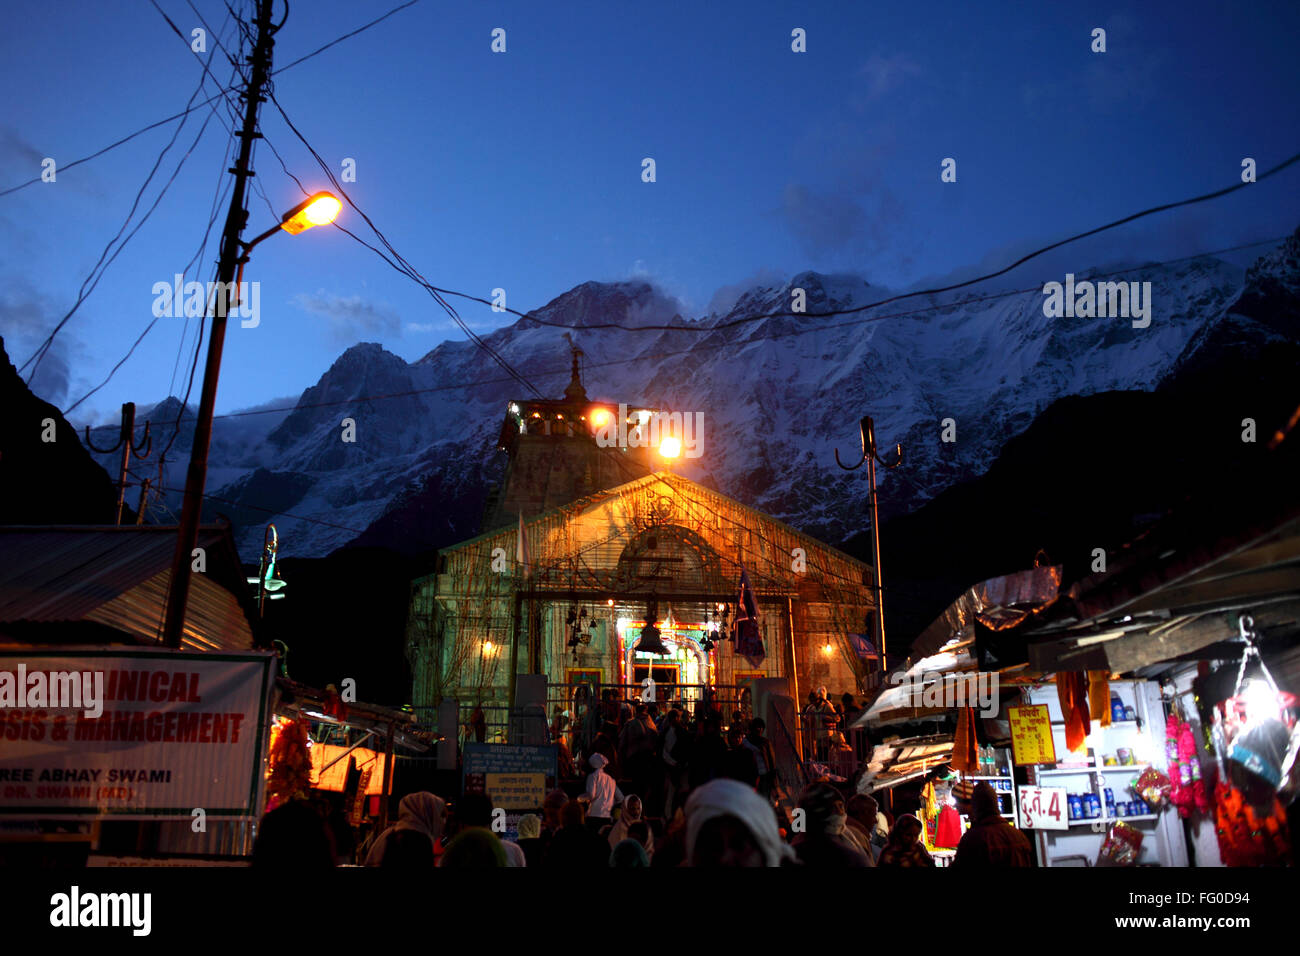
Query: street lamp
[[315, 210], [266, 580]]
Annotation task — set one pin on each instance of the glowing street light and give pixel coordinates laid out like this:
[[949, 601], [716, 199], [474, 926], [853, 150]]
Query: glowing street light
[[670, 447], [315, 210], [318, 210]]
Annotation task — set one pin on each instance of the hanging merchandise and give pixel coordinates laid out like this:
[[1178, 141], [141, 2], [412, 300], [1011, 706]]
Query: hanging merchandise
[[1256, 730], [1099, 701], [1185, 792], [288, 775], [1152, 787], [965, 756], [1248, 837], [1121, 847], [1072, 692], [948, 829]]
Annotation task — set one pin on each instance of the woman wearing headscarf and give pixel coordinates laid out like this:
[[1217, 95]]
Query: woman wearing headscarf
[[530, 839], [422, 812], [823, 841], [729, 824], [630, 815], [905, 848]]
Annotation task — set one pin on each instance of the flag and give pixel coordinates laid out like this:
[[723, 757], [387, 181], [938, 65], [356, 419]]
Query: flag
[[864, 647], [748, 642], [523, 554]]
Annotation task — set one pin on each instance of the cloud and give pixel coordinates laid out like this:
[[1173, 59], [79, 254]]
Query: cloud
[[823, 220], [883, 74], [844, 224], [26, 318], [725, 298], [350, 318], [27, 158]]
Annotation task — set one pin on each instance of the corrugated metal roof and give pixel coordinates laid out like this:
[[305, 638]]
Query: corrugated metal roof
[[118, 577]]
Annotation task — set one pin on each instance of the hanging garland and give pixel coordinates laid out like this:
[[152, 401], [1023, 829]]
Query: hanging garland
[[1186, 792], [288, 774]]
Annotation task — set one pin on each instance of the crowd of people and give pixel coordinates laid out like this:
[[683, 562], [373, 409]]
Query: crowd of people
[[645, 785]]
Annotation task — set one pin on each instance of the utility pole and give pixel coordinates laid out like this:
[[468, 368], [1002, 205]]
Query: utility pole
[[224, 296], [869, 455], [127, 443]]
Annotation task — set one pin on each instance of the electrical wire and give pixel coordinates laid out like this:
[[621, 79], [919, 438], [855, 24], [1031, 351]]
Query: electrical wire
[[197, 254], [744, 320], [405, 267], [790, 333], [192, 108], [97, 272], [270, 511]]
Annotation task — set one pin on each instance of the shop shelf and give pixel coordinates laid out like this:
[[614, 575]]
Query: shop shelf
[[1062, 771]]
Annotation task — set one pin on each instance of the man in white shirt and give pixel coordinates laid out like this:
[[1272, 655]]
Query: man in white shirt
[[603, 794]]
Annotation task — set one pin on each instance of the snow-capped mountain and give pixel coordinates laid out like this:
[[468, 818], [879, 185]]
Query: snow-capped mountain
[[778, 396]]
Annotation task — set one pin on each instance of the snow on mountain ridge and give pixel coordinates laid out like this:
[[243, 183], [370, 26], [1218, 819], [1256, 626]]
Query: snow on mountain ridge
[[779, 395]]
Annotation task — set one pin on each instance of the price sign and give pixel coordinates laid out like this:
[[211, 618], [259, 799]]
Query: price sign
[[1043, 808], [1031, 735]]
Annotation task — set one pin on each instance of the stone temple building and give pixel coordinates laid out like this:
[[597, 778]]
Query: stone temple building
[[584, 546]]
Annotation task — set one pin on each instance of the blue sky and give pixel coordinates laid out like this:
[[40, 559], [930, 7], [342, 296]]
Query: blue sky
[[522, 170]]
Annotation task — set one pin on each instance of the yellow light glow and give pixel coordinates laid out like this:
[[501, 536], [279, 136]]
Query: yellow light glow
[[488, 647], [323, 211], [828, 650], [670, 447], [599, 417], [320, 210]]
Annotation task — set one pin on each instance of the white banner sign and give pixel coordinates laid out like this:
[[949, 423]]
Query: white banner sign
[[1044, 808], [150, 734]]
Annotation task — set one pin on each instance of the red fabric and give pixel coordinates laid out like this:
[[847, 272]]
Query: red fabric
[[1072, 691], [948, 834]]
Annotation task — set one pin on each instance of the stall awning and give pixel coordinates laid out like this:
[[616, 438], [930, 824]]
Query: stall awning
[[899, 761], [1184, 606], [301, 701], [997, 603]]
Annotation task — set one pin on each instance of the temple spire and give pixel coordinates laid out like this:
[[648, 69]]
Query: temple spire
[[575, 392]]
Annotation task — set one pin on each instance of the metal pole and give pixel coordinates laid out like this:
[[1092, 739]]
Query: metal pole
[[514, 646], [128, 435], [794, 676], [875, 538], [144, 498], [231, 252], [388, 779]]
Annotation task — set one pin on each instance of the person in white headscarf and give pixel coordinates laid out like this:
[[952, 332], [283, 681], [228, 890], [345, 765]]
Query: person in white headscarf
[[630, 815], [602, 793], [730, 824], [422, 812]]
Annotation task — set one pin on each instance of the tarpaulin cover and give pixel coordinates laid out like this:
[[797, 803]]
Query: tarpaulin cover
[[997, 603]]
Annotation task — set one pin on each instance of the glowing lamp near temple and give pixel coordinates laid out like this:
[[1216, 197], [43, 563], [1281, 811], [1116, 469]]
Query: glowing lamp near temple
[[670, 447], [828, 650], [488, 648], [600, 417]]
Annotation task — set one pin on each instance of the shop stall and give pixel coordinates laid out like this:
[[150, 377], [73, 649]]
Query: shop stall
[[1077, 796]]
